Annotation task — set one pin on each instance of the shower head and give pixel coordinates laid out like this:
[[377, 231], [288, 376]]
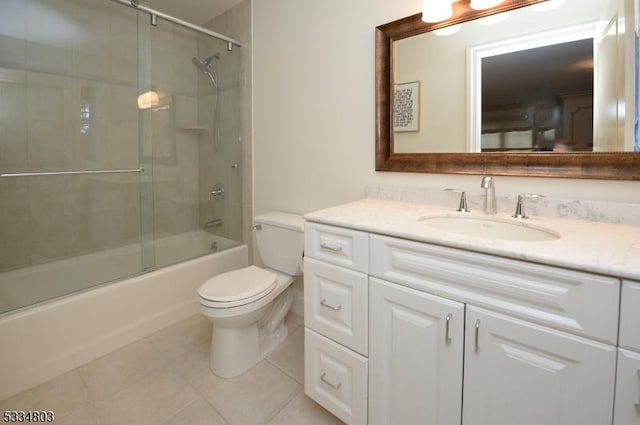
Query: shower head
[[206, 66]]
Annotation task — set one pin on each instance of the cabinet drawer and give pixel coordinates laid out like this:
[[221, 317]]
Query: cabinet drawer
[[630, 315], [577, 302], [336, 303], [343, 247], [626, 411], [336, 378]]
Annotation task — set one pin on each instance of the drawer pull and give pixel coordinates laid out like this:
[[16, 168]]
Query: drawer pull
[[477, 334], [332, 248], [324, 379], [637, 405], [323, 302], [447, 335]]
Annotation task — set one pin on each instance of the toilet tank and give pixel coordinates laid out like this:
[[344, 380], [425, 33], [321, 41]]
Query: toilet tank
[[280, 240]]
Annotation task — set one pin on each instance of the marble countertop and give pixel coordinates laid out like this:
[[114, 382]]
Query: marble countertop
[[595, 247]]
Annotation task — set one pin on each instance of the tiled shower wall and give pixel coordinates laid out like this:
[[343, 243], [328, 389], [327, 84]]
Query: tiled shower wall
[[68, 84]]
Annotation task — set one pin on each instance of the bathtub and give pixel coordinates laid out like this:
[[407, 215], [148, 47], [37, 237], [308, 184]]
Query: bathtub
[[53, 337], [31, 285]]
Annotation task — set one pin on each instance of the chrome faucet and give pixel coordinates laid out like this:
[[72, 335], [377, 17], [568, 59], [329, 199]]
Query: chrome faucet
[[490, 206]]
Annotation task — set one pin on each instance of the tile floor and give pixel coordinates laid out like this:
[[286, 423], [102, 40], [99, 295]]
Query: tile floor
[[164, 379]]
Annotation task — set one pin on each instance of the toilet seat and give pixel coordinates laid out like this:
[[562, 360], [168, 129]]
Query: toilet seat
[[237, 287]]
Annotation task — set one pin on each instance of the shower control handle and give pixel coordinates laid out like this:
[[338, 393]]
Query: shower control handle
[[217, 193]]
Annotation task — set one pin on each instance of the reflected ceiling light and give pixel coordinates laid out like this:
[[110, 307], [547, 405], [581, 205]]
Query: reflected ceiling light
[[484, 4], [582, 65], [547, 5], [493, 19], [150, 99], [436, 10], [447, 30]]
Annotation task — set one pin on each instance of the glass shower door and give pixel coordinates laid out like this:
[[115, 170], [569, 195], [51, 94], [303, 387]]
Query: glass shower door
[[69, 155], [190, 140]]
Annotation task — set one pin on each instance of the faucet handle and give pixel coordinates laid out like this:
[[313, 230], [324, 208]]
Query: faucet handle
[[463, 199], [520, 205]]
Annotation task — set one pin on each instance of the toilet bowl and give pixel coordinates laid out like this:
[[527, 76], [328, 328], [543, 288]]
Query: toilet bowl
[[247, 306]]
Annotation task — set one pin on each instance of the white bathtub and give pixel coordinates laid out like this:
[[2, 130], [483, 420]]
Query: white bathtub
[[44, 341], [31, 285]]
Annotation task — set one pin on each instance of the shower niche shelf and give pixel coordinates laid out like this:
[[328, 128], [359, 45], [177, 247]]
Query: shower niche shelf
[[194, 127]]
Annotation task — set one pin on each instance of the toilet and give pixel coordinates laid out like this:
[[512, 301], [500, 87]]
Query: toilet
[[247, 306]]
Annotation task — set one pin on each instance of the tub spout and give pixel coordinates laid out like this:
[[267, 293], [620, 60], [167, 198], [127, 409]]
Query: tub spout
[[213, 223]]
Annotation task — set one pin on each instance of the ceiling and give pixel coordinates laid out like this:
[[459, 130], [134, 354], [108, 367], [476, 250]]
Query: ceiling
[[197, 12]]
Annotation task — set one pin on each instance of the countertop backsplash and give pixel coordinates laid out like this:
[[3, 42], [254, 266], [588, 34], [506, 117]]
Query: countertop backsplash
[[597, 211]]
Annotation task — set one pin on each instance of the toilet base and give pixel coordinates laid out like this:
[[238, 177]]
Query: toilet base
[[268, 343], [234, 350]]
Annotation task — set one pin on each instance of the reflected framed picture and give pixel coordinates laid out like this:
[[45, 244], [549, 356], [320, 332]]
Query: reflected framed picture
[[406, 110]]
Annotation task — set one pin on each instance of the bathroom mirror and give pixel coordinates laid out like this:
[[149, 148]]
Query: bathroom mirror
[[389, 157]]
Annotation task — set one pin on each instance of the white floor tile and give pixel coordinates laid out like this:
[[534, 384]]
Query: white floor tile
[[165, 379], [303, 410], [197, 413], [289, 357], [121, 369], [149, 402], [188, 335], [61, 395], [254, 397], [85, 416]]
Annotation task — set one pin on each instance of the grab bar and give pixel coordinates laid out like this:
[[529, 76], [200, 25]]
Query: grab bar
[[72, 173]]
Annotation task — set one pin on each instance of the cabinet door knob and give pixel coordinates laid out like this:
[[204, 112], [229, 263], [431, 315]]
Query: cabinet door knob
[[324, 379], [448, 326], [477, 334]]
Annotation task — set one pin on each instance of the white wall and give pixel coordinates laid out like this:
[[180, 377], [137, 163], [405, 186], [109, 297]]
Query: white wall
[[314, 111]]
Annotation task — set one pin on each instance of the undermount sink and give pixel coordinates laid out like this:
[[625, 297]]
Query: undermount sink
[[489, 227]]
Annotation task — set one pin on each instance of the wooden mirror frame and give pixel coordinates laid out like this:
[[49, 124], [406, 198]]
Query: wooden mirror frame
[[592, 165]]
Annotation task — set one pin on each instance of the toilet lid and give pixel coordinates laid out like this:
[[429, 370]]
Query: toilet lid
[[238, 287]]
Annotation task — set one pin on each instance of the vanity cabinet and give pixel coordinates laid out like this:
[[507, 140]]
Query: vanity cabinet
[[521, 365], [458, 337], [627, 407], [515, 372]]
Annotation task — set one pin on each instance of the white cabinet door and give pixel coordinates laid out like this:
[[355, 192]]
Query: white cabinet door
[[627, 411], [630, 315], [415, 357], [520, 373]]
